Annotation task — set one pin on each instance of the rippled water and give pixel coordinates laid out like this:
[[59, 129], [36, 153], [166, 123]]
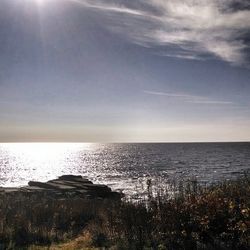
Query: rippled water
[[122, 166]]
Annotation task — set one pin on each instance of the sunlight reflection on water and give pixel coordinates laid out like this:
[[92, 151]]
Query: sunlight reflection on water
[[41, 161], [121, 166]]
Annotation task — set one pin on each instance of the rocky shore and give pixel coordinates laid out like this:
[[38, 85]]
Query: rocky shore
[[66, 186], [73, 213]]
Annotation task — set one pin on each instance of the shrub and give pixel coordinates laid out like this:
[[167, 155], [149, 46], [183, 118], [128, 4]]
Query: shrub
[[193, 217]]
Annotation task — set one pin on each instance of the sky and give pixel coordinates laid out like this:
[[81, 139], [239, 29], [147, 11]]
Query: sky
[[124, 71]]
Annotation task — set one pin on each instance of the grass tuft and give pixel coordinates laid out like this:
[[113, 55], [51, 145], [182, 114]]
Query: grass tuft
[[192, 217]]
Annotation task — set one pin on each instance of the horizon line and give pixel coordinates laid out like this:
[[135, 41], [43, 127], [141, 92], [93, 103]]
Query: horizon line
[[123, 142]]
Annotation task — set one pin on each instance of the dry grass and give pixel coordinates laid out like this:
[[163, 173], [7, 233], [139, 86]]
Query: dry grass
[[83, 242], [195, 217]]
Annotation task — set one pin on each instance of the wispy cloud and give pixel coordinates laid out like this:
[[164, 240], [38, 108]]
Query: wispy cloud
[[192, 29], [189, 98], [109, 7]]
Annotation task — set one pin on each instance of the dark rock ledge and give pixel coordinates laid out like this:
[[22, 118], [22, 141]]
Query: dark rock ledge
[[66, 186]]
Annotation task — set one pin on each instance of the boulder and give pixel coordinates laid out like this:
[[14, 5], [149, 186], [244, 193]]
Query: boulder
[[50, 185], [66, 186], [70, 177]]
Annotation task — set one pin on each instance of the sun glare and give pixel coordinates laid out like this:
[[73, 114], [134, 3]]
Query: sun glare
[[45, 151], [40, 161]]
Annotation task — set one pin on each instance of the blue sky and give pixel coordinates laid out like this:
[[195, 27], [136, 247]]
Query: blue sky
[[76, 70]]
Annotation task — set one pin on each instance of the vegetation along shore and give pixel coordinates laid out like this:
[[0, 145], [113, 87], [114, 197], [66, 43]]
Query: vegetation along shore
[[73, 213]]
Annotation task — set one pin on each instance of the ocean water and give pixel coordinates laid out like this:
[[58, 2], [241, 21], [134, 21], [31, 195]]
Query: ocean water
[[124, 167]]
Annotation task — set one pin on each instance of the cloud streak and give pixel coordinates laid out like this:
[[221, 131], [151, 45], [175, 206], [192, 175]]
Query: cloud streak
[[107, 7], [191, 29], [189, 98]]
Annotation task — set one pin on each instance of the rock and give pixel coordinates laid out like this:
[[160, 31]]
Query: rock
[[50, 185], [32, 189], [66, 186], [10, 190], [70, 177], [68, 183]]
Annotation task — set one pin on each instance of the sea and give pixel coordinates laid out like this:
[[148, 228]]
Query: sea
[[124, 167]]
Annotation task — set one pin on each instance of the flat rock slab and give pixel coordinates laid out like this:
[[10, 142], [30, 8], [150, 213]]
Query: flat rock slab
[[9, 190], [73, 186], [50, 185], [70, 177]]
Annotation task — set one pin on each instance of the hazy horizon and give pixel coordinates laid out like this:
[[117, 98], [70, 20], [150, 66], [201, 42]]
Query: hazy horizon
[[124, 71], [120, 142]]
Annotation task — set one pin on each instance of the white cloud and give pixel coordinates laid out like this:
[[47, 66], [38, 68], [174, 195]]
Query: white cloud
[[194, 28], [108, 7], [189, 98]]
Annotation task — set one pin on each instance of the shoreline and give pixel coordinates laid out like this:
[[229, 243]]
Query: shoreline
[[194, 218]]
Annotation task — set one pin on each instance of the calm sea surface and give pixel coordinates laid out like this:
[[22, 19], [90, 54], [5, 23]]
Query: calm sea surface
[[122, 166]]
